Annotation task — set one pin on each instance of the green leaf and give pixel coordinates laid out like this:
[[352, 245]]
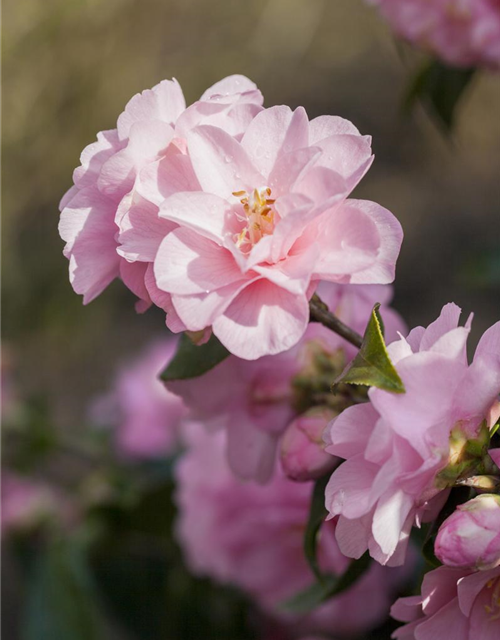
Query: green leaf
[[372, 365], [440, 87], [191, 361], [60, 602], [330, 586], [317, 515]]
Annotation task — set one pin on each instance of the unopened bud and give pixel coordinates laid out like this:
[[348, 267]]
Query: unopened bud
[[303, 455], [470, 537]]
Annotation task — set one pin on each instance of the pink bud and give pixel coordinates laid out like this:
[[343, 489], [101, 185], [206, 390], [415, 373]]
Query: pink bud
[[303, 455], [470, 537]]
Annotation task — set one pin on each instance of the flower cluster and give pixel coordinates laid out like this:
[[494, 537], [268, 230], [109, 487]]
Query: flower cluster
[[465, 33], [237, 221]]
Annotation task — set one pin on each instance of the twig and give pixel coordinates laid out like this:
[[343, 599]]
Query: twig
[[319, 312]]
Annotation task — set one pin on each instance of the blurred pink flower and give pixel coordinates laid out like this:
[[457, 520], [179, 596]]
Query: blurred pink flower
[[26, 502], [251, 537], [270, 219], [460, 32], [455, 603], [470, 537], [256, 400], [105, 202], [404, 451], [145, 415]]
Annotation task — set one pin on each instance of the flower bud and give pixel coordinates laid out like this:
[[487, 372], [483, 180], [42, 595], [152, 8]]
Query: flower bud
[[303, 455], [470, 537]]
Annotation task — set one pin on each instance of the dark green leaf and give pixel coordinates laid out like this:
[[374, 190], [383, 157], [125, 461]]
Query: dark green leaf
[[191, 361], [317, 515], [440, 87], [60, 602], [330, 586], [372, 365]]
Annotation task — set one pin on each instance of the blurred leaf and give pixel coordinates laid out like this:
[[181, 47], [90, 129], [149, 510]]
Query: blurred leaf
[[372, 365], [317, 515], [191, 361], [60, 601], [330, 586], [440, 87]]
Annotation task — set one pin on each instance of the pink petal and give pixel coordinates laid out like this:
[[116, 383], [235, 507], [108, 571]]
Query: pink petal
[[348, 490], [273, 132], [87, 225], [164, 301], [221, 164], [407, 609], [147, 140], [348, 155], [290, 168], [489, 344], [350, 431], [204, 213], [94, 156], [251, 452], [133, 274], [162, 178], [349, 243], [202, 310], [390, 234], [293, 273], [389, 518], [325, 126], [353, 535], [263, 320], [483, 624], [430, 381], [470, 586], [447, 321], [163, 102], [230, 85], [141, 228], [448, 622], [495, 456], [187, 263]]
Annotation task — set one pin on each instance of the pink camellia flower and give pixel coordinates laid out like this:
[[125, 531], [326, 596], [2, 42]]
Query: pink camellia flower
[[455, 603], [302, 450], [106, 201], [145, 415], [460, 32], [404, 451], [255, 401], [470, 537], [251, 537], [269, 220]]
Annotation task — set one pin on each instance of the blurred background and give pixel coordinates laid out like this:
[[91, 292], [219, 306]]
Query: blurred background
[[70, 66]]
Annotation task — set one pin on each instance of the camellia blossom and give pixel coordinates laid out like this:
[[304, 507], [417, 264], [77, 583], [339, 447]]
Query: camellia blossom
[[470, 537], [465, 33], [404, 451], [255, 401], [146, 416], [106, 200], [270, 219], [251, 537], [457, 604]]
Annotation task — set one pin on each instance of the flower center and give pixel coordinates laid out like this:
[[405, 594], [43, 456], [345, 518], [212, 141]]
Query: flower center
[[258, 218], [493, 609]]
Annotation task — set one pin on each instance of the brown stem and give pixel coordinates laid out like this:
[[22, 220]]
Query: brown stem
[[319, 312]]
